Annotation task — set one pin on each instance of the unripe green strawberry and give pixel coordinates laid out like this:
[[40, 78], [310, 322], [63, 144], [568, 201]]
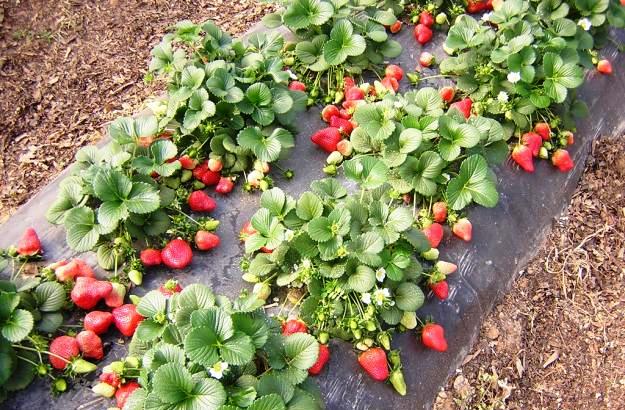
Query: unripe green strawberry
[[262, 290], [334, 158], [409, 320], [441, 18], [430, 255], [104, 390], [82, 366], [135, 277], [397, 380]]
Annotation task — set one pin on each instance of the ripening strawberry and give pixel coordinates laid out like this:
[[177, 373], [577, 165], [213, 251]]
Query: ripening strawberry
[[90, 344], [84, 269], [29, 244], [373, 361], [463, 229], [569, 136], [170, 287], [434, 234], [464, 106], [111, 378], [177, 254], [66, 271], [440, 289], [126, 319], [327, 138], [205, 241], [199, 201], [344, 126], [354, 93], [215, 164], [294, 326], [396, 27], [97, 321], [522, 155], [622, 2], [426, 18], [394, 71], [116, 297], [446, 268], [124, 391], [345, 147], [426, 59], [150, 257], [348, 82], [65, 347], [433, 337], [87, 292], [422, 33], [247, 231], [543, 129], [604, 67], [329, 111], [297, 86], [447, 94], [225, 186], [439, 210], [533, 141], [390, 83], [322, 359], [187, 162], [562, 160]]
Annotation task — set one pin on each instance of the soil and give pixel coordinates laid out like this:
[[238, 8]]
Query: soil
[[67, 67], [557, 340]]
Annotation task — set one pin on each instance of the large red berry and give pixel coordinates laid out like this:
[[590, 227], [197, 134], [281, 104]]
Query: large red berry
[[476, 6], [562, 160], [439, 210], [327, 138], [464, 106], [124, 391], [373, 361], [151, 257], [434, 234], [433, 337], [294, 326], [205, 241], [447, 93], [426, 18], [297, 86], [116, 297], [98, 321], [390, 83], [604, 67], [205, 175], [328, 112], [225, 186], [199, 201], [422, 33], [170, 287], [29, 243], [533, 141], [126, 319], [322, 360], [177, 254], [344, 126], [463, 229], [522, 155], [354, 93], [394, 71], [440, 289], [543, 129], [64, 346], [87, 292], [90, 344], [395, 27]]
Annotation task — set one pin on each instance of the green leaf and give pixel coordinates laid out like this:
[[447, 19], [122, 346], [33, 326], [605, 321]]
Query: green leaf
[[18, 326], [272, 20], [304, 13], [111, 185], [237, 350], [196, 296], [50, 322], [409, 140], [422, 173], [268, 402], [199, 345], [309, 206], [82, 232], [320, 229], [51, 296], [149, 330], [152, 304], [173, 383], [472, 183], [216, 319], [265, 148], [273, 200], [369, 172], [301, 350], [273, 383], [362, 280], [409, 297], [143, 198], [343, 43]]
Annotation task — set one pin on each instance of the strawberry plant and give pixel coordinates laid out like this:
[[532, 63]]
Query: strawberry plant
[[336, 39], [198, 350]]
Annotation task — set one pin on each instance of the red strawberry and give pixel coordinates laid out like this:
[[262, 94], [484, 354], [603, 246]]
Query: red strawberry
[[170, 287], [522, 155], [440, 289], [570, 137], [29, 243], [111, 379], [426, 18], [247, 231], [87, 292], [225, 186], [294, 326], [90, 345], [84, 269], [373, 361], [426, 59], [533, 141], [124, 391], [151, 257], [344, 126], [205, 241], [434, 233], [322, 359], [187, 162], [622, 2], [177, 254], [354, 93], [65, 347], [297, 86], [351, 105], [199, 201], [65, 271], [328, 112], [422, 33], [543, 129], [394, 71], [439, 209], [327, 138], [116, 297], [562, 160], [447, 94], [205, 175], [396, 27], [475, 6], [604, 67], [433, 337], [126, 319], [464, 106], [463, 229], [345, 114], [97, 321], [215, 164], [390, 83]]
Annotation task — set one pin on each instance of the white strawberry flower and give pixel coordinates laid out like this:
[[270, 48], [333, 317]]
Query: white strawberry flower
[[486, 16], [585, 24], [218, 369], [380, 296], [380, 274], [289, 235], [514, 77], [366, 298], [502, 97]]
